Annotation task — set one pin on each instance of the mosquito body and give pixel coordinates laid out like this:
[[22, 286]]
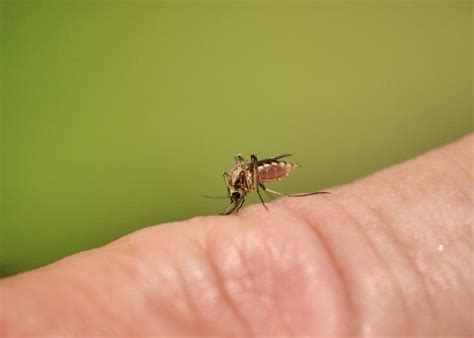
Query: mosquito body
[[244, 177]]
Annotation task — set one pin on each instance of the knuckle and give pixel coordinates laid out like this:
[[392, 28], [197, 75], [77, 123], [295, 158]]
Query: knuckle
[[274, 274]]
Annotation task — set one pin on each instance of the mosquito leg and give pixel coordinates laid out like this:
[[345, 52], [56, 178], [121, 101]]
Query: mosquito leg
[[234, 206], [272, 191], [230, 208], [275, 192], [266, 192], [309, 194], [298, 195], [256, 178], [239, 204], [261, 199], [254, 161], [269, 196], [225, 176]]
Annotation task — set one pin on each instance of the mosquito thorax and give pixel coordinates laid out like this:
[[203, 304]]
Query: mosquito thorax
[[236, 176]]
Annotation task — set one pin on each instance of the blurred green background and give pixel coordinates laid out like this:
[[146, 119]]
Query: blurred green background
[[118, 115]]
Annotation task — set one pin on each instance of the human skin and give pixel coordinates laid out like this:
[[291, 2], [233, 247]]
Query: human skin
[[387, 255]]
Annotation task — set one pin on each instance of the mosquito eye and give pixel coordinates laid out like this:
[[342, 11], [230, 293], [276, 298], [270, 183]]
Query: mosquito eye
[[235, 195]]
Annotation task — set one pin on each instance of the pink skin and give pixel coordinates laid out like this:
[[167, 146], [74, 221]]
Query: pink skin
[[387, 255]]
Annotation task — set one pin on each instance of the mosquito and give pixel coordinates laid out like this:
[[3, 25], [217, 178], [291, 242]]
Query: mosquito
[[244, 177]]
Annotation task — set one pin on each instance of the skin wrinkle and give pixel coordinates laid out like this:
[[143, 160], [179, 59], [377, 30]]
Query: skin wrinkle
[[333, 261], [191, 281], [86, 293], [395, 237], [378, 255], [244, 260], [415, 262], [400, 246], [121, 261], [391, 237], [169, 318], [459, 277], [116, 260], [204, 239], [454, 268], [148, 281], [221, 288], [283, 318], [275, 296], [190, 300], [244, 267], [286, 326], [183, 286], [159, 307], [449, 280], [317, 228], [321, 258], [305, 233]]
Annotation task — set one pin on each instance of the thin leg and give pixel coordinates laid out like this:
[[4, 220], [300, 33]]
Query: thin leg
[[293, 195], [241, 201], [309, 194], [256, 178], [275, 192], [269, 196], [234, 206], [225, 176], [266, 192], [230, 208], [261, 199]]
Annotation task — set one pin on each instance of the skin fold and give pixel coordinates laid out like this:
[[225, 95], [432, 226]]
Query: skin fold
[[387, 255]]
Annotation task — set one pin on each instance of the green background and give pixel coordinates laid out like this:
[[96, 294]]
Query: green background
[[118, 115]]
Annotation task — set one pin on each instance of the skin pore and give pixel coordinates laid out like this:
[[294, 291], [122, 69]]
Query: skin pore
[[390, 254]]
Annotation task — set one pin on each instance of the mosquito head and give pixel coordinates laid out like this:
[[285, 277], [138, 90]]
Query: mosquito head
[[237, 179], [235, 196], [235, 184]]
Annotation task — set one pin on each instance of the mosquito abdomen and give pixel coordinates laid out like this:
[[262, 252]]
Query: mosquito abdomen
[[275, 170]]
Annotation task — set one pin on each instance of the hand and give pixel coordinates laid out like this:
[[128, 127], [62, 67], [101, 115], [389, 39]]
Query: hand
[[387, 255]]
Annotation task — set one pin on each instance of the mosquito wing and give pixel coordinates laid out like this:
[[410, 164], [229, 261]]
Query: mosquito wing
[[272, 159]]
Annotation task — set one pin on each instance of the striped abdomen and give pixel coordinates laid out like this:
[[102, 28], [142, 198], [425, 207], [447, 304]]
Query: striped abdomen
[[275, 170]]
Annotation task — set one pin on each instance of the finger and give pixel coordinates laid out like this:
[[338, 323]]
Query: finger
[[363, 260], [403, 241]]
